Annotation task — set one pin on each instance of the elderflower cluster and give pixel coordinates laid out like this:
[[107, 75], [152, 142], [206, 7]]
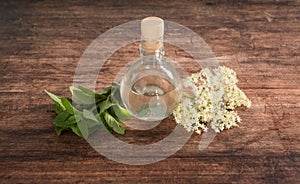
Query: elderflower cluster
[[214, 97]]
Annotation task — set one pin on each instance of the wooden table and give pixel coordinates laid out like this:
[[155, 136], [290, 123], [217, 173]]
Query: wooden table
[[41, 43]]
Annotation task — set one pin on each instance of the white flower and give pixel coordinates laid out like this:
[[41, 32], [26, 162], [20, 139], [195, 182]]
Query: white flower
[[216, 95]]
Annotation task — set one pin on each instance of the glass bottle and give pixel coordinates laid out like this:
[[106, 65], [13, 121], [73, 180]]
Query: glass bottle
[[151, 87]]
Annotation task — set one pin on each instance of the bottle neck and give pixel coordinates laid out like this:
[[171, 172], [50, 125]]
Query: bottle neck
[[152, 50]]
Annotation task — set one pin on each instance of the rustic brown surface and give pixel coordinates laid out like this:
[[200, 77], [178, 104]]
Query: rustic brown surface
[[42, 41]]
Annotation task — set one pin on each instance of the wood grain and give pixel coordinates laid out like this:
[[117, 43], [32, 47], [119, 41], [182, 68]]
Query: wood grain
[[42, 41]]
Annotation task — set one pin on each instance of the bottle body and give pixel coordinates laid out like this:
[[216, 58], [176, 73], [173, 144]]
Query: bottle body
[[149, 93]]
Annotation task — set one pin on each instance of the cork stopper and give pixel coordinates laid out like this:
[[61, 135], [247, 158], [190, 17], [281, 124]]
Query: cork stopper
[[152, 31]]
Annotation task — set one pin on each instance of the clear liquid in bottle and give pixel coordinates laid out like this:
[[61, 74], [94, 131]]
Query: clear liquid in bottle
[[152, 98]]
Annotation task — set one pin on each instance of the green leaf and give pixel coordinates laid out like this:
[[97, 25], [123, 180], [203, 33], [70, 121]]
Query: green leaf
[[67, 104], [114, 124], [86, 90], [71, 120], [83, 129], [89, 115], [82, 97], [57, 108], [105, 91], [100, 119], [119, 129], [116, 96], [58, 130], [108, 127], [121, 112], [115, 84], [61, 118], [100, 97], [78, 115], [93, 94], [81, 118], [88, 126], [55, 99], [91, 124], [105, 105], [76, 130]]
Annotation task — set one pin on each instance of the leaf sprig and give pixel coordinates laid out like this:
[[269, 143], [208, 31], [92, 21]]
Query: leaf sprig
[[89, 111]]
